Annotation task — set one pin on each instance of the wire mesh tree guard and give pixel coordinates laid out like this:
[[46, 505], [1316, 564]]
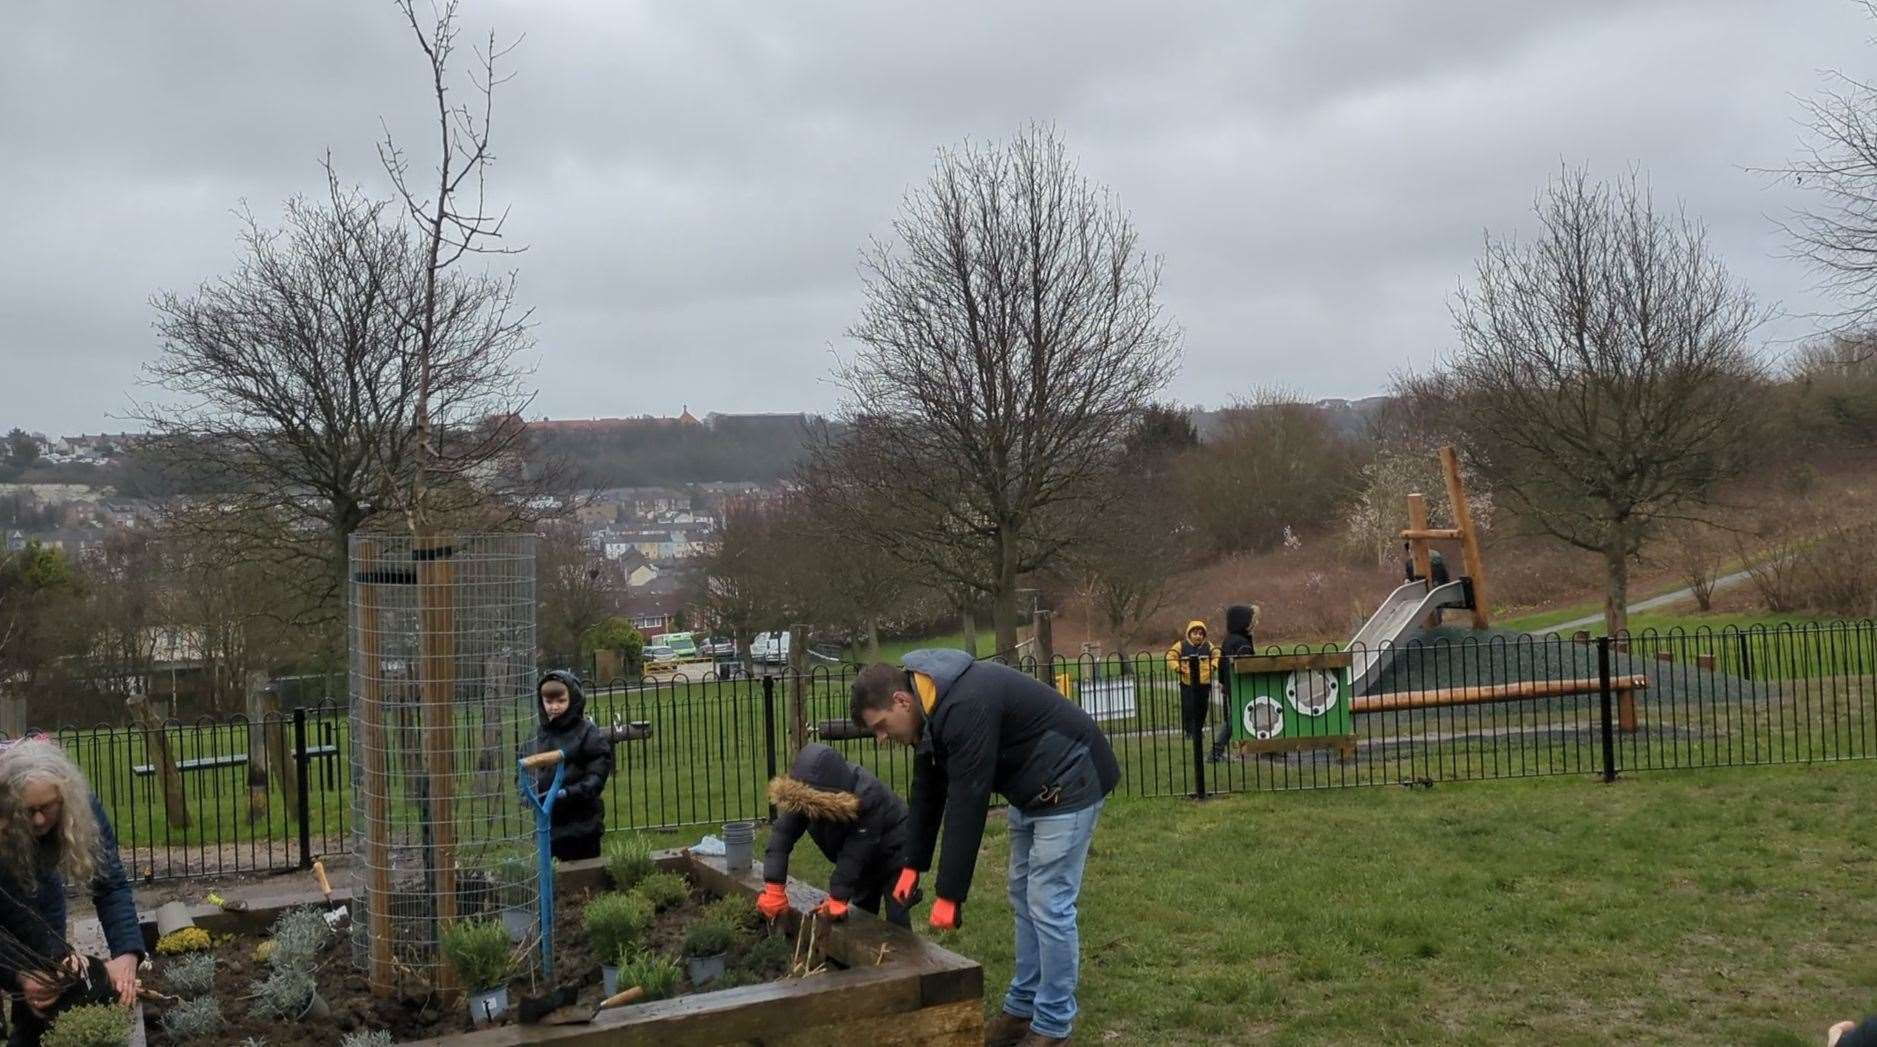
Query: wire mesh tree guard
[[441, 638]]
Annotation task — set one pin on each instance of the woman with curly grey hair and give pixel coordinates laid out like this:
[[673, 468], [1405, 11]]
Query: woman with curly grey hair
[[53, 831]]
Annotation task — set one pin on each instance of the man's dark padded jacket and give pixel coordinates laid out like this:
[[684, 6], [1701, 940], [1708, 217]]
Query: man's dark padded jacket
[[994, 728]]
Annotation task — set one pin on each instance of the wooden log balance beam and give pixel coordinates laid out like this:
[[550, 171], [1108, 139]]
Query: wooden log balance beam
[[1624, 687]]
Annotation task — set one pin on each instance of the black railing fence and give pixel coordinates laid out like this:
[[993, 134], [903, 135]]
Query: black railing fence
[[1442, 711]]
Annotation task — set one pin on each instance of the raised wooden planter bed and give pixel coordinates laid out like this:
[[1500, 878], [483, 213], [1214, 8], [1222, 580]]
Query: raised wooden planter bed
[[892, 986]]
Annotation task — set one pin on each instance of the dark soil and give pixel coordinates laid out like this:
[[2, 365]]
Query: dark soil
[[345, 990]]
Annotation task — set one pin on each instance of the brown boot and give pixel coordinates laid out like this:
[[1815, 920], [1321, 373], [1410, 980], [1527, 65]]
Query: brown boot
[[1037, 1039], [1005, 1030]]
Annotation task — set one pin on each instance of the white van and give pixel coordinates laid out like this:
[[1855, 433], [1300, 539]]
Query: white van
[[770, 648]]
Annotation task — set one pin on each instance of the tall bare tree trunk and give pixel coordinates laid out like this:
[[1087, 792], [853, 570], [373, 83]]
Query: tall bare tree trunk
[[156, 750], [1004, 602], [1616, 579], [968, 622], [257, 747], [280, 751], [873, 638]]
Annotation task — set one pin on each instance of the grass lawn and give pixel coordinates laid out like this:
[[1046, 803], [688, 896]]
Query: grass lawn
[[1711, 906]]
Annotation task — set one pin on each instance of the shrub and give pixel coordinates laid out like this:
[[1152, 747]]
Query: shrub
[[657, 975], [736, 911], [299, 935], [197, 1019], [478, 950], [615, 921], [628, 860], [706, 938], [190, 976], [770, 951], [187, 940], [664, 890], [286, 993], [94, 1025], [374, 1038]]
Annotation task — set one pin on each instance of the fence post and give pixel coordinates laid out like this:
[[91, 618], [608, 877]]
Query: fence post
[[769, 733], [1603, 690], [1199, 729], [302, 762], [798, 688], [1746, 657]]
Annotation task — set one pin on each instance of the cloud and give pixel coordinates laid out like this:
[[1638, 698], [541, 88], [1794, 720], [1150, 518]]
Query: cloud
[[694, 180]]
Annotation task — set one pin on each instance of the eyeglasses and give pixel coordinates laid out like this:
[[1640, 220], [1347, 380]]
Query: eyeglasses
[[49, 808]]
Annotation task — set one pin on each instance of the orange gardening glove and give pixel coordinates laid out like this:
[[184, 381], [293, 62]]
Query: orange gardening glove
[[947, 915], [774, 901], [833, 909], [908, 883]]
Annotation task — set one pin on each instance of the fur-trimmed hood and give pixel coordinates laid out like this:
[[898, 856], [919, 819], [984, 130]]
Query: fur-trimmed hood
[[819, 786]]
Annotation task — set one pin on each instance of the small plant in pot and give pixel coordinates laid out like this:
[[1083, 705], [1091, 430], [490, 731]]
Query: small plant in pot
[[665, 889], [479, 952], [614, 923], [657, 975], [704, 947], [289, 994]]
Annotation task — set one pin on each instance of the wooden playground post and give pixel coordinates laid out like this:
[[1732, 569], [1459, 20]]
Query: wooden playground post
[[1469, 538], [436, 587], [1417, 521], [376, 782]]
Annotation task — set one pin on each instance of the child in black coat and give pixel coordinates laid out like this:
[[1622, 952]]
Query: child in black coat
[[859, 823], [579, 816]]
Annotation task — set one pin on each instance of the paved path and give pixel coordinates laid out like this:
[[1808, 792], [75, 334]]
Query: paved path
[[1726, 581]]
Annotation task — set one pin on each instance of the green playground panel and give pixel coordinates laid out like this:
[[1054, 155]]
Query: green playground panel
[[1291, 703]]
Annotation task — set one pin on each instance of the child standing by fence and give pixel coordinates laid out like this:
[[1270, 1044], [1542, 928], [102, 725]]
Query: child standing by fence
[[1195, 688], [580, 809]]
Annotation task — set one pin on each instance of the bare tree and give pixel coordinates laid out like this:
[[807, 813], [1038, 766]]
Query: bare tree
[[1838, 166], [576, 588], [1603, 383], [1275, 462], [453, 222], [297, 384], [1010, 331]]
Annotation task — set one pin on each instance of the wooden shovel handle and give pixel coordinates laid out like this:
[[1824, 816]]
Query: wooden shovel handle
[[546, 759], [325, 885], [622, 997]]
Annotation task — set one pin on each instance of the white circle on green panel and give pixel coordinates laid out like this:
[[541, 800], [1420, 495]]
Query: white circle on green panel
[[1264, 718], [1312, 692]]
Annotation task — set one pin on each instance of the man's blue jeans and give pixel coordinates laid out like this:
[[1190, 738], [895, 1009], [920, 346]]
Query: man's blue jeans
[[1047, 855]]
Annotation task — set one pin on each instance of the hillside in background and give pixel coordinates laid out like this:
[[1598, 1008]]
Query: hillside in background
[[651, 452]]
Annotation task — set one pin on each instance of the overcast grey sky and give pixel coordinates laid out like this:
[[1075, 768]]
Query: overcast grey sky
[[694, 179]]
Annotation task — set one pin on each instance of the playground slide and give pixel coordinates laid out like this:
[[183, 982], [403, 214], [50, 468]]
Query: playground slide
[[1399, 620]]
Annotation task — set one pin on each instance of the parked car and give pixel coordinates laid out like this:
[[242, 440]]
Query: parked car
[[657, 653], [682, 645], [717, 647], [770, 648]]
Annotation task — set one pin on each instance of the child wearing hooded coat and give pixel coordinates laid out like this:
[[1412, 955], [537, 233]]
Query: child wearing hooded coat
[[1239, 621], [579, 815], [1195, 692], [859, 824]]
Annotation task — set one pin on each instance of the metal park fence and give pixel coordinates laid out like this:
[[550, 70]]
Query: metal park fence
[[1446, 708]]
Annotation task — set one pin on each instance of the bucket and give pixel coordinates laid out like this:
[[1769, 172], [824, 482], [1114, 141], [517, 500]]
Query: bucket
[[172, 917], [704, 969], [488, 1007], [609, 978], [738, 841]]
